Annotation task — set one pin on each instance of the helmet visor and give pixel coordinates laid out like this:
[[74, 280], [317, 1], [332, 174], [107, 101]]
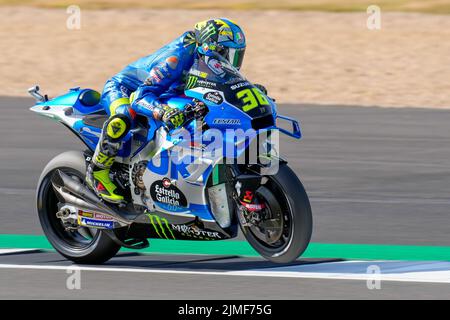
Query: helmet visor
[[236, 56]]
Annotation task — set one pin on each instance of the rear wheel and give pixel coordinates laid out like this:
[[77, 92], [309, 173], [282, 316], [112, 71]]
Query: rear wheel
[[285, 227], [84, 245]]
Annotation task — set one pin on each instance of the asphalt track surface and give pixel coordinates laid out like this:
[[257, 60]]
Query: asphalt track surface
[[374, 175]]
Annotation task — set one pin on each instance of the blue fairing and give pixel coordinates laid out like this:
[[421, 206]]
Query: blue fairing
[[72, 98], [200, 210], [89, 134], [232, 118], [175, 101], [232, 113]]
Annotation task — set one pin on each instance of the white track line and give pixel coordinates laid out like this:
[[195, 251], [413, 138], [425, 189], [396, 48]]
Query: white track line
[[9, 251], [431, 276]]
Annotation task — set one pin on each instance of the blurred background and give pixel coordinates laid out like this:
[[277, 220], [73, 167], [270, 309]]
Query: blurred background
[[311, 51]]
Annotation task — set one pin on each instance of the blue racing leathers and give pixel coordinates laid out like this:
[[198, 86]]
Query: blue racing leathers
[[135, 90], [148, 78]]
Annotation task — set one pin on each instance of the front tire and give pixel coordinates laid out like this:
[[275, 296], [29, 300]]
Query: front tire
[[86, 246], [285, 198]]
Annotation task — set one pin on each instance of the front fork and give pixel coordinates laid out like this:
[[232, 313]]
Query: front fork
[[245, 187]]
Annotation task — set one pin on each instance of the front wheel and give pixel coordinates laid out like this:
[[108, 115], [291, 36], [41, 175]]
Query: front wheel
[[285, 227], [84, 245]]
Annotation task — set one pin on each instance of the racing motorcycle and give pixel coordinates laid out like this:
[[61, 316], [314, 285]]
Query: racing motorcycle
[[175, 188]]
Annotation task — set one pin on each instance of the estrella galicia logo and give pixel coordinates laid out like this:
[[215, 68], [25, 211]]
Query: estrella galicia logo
[[213, 97], [163, 191]]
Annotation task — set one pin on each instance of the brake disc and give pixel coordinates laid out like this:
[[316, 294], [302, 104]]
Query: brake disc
[[270, 230], [273, 230]]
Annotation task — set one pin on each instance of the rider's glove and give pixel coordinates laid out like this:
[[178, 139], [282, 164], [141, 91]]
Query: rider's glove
[[172, 117], [196, 110], [262, 88]]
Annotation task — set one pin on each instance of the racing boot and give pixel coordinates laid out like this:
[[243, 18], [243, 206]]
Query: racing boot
[[97, 176]]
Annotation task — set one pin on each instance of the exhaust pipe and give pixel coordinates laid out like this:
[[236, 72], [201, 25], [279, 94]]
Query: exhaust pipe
[[71, 199], [84, 197]]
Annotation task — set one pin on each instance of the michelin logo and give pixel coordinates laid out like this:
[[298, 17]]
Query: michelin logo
[[96, 223]]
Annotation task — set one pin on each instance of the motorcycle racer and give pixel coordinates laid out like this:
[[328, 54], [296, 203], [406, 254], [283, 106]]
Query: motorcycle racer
[[136, 90], [192, 191]]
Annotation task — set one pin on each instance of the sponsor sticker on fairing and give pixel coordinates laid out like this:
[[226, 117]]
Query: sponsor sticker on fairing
[[240, 85], [227, 121], [163, 191], [214, 97], [206, 84], [199, 74], [195, 232]]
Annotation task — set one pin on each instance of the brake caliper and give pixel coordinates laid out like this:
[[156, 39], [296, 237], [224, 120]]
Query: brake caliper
[[249, 208]]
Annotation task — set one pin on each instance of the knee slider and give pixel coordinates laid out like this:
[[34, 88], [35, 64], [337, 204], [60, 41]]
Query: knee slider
[[117, 127]]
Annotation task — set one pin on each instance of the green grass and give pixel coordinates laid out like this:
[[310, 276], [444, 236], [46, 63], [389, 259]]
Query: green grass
[[242, 248], [425, 6]]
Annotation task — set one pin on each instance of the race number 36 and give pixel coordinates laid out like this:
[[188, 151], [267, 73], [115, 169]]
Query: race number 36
[[251, 98]]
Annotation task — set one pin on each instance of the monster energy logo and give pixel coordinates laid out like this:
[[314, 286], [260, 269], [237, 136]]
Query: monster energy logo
[[188, 40], [192, 81], [207, 32], [160, 225], [195, 232]]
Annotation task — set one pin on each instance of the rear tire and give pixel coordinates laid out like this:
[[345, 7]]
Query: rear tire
[[285, 194], [71, 245]]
